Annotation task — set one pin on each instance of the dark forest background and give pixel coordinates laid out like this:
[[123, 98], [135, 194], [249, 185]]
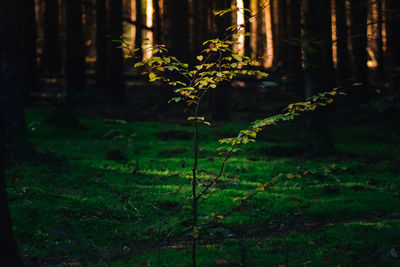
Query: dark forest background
[[65, 52]]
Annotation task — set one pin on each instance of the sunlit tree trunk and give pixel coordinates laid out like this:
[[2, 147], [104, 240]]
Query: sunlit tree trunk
[[393, 40], [295, 79], [101, 44], [51, 55], [343, 55], [115, 64], [318, 67], [74, 69], [11, 119], [358, 14]]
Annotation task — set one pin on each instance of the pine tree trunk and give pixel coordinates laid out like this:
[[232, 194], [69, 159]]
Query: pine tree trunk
[[74, 69], [393, 40], [177, 28], [221, 94], [101, 44], [51, 55], [295, 79], [157, 22], [115, 63], [139, 28], [343, 55], [247, 45], [379, 40], [282, 56], [27, 54], [318, 68], [261, 34], [358, 14]]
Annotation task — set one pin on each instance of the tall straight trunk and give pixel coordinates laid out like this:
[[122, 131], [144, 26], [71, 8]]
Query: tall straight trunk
[[261, 33], [115, 63], [343, 55], [51, 55], [318, 67], [157, 22], [101, 44], [74, 69], [247, 45], [139, 28], [379, 40], [27, 54], [11, 118], [177, 28], [294, 44], [280, 24], [220, 95], [393, 40], [358, 14]]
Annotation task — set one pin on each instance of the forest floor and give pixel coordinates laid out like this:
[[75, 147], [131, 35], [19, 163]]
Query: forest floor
[[117, 193]]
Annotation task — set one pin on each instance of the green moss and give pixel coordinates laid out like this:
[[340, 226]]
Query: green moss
[[69, 202]]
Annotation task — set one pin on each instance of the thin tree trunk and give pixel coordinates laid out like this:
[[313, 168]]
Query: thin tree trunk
[[115, 63], [358, 14], [157, 22], [74, 69], [318, 67], [51, 55]]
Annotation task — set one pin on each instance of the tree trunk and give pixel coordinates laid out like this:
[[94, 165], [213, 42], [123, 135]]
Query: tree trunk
[[247, 29], [11, 119], [343, 55], [393, 40], [27, 55], [101, 45], [295, 79], [177, 28], [318, 68], [379, 40], [74, 69], [157, 22], [280, 24], [261, 34], [51, 54], [358, 14], [139, 29], [221, 94], [115, 62]]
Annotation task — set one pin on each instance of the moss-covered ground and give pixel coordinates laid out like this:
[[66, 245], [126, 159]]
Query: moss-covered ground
[[117, 193]]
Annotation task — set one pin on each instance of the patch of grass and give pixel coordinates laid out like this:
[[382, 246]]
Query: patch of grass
[[71, 203]]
